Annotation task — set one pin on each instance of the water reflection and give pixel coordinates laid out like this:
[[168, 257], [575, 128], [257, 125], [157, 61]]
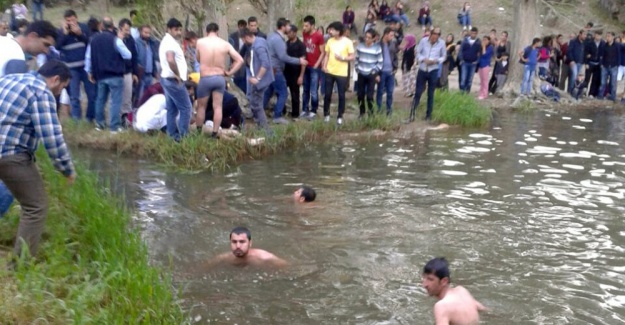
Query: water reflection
[[529, 214]]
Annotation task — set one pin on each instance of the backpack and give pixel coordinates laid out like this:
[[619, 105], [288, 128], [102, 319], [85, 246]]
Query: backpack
[[543, 54]]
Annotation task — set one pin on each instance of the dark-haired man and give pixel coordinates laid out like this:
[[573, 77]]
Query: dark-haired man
[[28, 116], [575, 56], [430, 53], [131, 70], [212, 52], [593, 50], [304, 194], [389, 66], [471, 51], [456, 305], [147, 58], [238, 43], [242, 253], [72, 43], [37, 39], [315, 52], [340, 51], [260, 74], [294, 73]]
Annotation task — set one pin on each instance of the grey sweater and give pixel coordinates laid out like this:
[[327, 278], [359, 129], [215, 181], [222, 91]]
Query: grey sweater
[[277, 52]]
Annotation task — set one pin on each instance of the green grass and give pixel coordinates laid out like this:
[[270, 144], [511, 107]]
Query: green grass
[[456, 108], [92, 267]]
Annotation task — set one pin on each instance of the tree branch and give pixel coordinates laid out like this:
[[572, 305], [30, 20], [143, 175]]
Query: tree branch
[[550, 6]]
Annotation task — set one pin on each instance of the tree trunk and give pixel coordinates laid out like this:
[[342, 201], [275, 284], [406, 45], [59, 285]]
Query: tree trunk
[[216, 13], [278, 9], [525, 28]]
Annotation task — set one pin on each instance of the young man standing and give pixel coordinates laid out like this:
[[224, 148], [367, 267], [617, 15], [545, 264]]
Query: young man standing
[[369, 63], [147, 57], [294, 73], [610, 61], [173, 76], [131, 70], [261, 74], [340, 51], [575, 56], [529, 57], [238, 43], [389, 66], [471, 51], [594, 48], [315, 53], [455, 305], [563, 61], [37, 39], [431, 52]]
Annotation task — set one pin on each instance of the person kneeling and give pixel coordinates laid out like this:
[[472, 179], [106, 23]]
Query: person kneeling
[[152, 115], [232, 118]]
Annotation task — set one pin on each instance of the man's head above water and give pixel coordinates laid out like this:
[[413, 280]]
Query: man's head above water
[[304, 194], [436, 276], [240, 241]]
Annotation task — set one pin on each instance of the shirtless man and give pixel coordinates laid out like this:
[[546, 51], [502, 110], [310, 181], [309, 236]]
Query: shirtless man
[[456, 306], [211, 54], [242, 253]]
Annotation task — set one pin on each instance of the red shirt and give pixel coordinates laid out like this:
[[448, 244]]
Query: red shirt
[[314, 43]]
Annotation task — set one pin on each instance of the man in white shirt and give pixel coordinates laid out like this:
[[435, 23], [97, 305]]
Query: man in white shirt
[[38, 38], [173, 76], [152, 115]]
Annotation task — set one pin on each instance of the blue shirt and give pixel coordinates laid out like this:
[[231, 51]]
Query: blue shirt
[[119, 46], [486, 57], [149, 58], [27, 115], [532, 58]]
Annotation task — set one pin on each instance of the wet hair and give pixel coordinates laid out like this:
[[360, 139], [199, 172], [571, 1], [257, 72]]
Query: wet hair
[[281, 23], [252, 19], [245, 32], [474, 29], [308, 193], [535, 40], [43, 28], [174, 23], [241, 230], [133, 12], [123, 22], [293, 28], [53, 68], [212, 28], [337, 26], [69, 13], [242, 23], [439, 267], [309, 19]]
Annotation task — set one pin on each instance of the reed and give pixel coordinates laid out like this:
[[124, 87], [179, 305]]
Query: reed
[[456, 108]]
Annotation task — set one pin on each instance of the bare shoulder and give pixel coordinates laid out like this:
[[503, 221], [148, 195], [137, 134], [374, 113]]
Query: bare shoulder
[[263, 254]]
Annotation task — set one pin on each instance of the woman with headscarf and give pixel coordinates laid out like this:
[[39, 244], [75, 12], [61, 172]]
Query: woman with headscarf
[[408, 77]]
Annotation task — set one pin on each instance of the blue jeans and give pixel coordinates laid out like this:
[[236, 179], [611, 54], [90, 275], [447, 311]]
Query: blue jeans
[[311, 89], [465, 20], [423, 77], [425, 21], [612, 72], [468, 70], [403, 18], [144, 83], [528, 79], [279, 87], [115, 86], [387, 81], [6, 198], [241, 82], [178, 102], [575, 70], [37, 10], [80, 75]]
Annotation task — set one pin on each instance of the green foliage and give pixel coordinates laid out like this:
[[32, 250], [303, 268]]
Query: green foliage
[[456, 108], [93, 267]]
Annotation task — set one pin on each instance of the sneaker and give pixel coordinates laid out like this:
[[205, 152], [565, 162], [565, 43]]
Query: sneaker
[[280, 120], [99, 127], [339, 121], [303, 115], [326, 119], [117, 131], [311, 116]]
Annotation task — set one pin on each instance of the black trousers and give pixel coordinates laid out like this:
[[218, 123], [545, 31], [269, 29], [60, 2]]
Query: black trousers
[[365, 84], [291, 83], [593, 79], [341, 84]]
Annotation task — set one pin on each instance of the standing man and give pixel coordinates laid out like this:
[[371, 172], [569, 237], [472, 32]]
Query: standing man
[[37, 39], [431, 52], [340, 51], [238, 43], [563, 60], [104, 62], [529, 57], [610, 61], [147, 58], [315, 52], [279, 57], [369, 62], [389, 66], [575, 56], [212, 52], [131, 70], [594, 48], [252, 24], [294, 73], [261, 74], [27, 116], [134, 31], [455, 305], [37, 9], [173, 76], [72, 42], [471, 51]]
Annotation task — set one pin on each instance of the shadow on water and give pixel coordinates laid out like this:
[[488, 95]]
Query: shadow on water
[[529, 214]]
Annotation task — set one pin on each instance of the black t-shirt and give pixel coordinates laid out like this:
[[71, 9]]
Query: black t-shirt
[[295, 49]]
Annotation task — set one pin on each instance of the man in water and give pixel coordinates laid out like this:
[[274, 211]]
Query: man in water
[[304, 194], [456, 305], [211, 54], [242, 253]]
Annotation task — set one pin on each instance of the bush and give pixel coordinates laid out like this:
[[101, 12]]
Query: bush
[[456, 108]]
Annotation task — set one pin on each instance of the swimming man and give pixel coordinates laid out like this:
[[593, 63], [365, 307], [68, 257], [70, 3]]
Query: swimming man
[[304, 194], [242, 253]]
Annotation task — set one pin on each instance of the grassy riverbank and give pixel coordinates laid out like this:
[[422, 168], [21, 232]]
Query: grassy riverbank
[[92, 268], [199, 152]]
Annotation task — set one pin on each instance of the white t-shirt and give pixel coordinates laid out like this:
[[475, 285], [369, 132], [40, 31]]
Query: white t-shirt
[[152, 115], [170, 44], [10, 51], [64, 99]]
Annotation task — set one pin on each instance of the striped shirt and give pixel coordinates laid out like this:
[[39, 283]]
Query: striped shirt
[[27, 115], [369, 59]]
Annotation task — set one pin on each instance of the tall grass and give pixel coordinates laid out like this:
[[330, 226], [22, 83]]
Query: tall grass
[[456, 108], [92, 267]]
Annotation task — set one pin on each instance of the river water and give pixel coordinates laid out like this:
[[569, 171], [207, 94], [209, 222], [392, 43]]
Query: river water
[[529, 214]]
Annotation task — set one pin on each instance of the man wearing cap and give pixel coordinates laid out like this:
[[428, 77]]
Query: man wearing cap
[[28, 116]]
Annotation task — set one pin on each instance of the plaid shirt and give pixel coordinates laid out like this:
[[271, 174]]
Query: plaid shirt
[[27, 114]]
